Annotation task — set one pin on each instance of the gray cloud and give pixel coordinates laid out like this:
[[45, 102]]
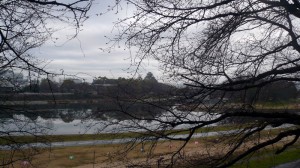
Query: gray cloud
[[82, 55]]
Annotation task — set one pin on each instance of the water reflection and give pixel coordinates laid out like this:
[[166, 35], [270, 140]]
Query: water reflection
[[88, 119], [72, 119]]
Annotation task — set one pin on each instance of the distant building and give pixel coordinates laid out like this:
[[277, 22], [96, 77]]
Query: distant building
[[105, 85], [77, 81]]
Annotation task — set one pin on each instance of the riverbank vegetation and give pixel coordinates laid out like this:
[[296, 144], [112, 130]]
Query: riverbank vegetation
[[10, 140], [115, 155]]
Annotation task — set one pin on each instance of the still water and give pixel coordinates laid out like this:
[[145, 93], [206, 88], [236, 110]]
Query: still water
[[90, 119]]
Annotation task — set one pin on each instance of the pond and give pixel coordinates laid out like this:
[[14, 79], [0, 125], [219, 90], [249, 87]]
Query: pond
[[90, 119]]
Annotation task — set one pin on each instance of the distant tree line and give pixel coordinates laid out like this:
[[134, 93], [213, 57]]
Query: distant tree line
[[104, 86], [148, 86], [274, 92]]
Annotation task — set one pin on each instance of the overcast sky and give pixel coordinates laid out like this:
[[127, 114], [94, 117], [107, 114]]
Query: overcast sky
[[83, 56]]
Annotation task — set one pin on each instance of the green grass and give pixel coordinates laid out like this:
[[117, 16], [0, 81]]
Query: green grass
[[5, 140], [267, 159]]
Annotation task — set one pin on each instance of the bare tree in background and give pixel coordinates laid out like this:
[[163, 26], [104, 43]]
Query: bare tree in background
[[25, 25], [220, 50]]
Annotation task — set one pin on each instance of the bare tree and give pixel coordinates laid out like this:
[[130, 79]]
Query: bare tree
[[25, 25], [28, 24], [220, 50]]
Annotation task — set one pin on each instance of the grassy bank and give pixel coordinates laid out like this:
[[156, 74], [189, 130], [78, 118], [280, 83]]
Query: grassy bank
[[86, 156], [6, 140], [267, 158], [103, 155]]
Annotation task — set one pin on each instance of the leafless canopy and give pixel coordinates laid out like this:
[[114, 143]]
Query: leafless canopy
[[27, 24], [221, 48]]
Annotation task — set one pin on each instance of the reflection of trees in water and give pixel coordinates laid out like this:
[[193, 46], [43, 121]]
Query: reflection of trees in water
[[104, 111], [67, 116], [121, 112], [49, 124]]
